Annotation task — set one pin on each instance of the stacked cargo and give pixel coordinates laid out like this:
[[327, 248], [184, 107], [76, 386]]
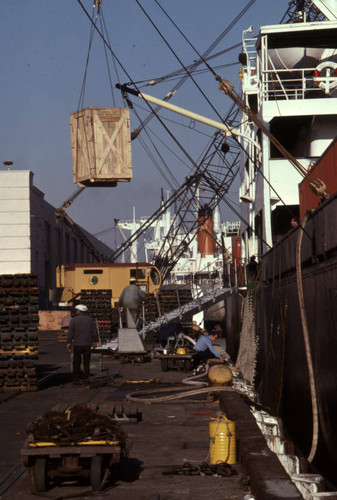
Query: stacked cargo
[[167, 300], [173, 298], [62, 334], [19, 319], [98, 303]]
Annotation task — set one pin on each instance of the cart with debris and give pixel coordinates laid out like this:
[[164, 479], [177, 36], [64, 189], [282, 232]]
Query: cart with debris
[[76, 443]]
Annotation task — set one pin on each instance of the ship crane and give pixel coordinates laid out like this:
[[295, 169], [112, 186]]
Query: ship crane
[[189, 114], [316, 185]]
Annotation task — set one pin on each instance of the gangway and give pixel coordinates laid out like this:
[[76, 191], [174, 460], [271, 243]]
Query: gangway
[[189, 309]]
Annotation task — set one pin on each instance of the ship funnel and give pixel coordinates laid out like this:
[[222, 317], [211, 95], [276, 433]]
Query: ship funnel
[[205, 235]]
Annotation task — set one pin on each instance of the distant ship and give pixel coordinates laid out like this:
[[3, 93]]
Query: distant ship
[[202, 262]]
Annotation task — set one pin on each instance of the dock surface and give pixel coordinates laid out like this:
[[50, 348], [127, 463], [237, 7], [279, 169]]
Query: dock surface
[[168, 436]]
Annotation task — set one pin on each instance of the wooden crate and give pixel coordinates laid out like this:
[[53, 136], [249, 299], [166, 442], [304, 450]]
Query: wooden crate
[[101, 146]]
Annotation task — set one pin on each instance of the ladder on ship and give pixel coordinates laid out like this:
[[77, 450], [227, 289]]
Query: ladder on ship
[[189, 309]]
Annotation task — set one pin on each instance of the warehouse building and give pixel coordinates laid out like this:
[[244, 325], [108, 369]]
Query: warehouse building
[[34, 240]]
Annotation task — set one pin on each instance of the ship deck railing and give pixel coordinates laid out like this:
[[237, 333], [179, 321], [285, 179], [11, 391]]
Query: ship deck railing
[[298, 84]]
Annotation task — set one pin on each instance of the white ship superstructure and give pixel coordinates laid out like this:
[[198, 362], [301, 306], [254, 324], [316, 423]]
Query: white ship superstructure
[[289, 80], [201, 258]]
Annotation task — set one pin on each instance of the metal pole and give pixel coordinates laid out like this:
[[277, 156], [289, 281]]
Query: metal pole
[[189, 114]]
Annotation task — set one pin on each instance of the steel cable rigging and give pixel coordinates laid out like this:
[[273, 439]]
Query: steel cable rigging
[[196, 167], [201, 57], [106, 44], [94, 27], [189, 73]]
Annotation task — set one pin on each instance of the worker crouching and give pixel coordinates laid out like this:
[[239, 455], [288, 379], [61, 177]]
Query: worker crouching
[[82, 335], [205, 350]]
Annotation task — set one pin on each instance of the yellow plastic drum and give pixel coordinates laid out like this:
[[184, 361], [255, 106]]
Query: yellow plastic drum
[[222, 447]]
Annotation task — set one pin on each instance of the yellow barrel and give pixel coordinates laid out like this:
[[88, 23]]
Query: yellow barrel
[[222, 447]]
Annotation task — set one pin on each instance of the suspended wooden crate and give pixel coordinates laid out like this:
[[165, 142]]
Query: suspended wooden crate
[[101, 146]]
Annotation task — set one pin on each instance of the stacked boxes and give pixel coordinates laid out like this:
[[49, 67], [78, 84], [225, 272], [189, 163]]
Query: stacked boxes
[[98, 303], [19, 319], [62, 334], [167, 300]]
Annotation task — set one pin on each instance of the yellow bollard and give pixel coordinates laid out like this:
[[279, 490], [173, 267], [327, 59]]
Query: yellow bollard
[[222, 446]]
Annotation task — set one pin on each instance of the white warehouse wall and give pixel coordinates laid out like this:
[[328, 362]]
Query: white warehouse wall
[[15, 250], [32, 240]]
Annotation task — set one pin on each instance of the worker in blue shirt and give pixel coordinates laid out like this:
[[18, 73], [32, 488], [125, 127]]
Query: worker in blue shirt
[[204, 348]]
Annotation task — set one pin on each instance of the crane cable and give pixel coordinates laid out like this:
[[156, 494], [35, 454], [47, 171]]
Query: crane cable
[[106, 43], [94, 27], [104, 28], [150, 107], [119, 62], [61, 211], [316, 185], [177, 57], [189, 69], [91, 38]]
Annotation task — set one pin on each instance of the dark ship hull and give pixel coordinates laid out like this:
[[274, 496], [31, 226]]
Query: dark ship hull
[[282, 374]]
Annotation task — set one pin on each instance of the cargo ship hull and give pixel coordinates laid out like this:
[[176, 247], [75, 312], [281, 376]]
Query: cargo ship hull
[[282, 369]]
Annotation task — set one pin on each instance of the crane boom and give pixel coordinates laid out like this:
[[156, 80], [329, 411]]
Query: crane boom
[[316, 185]]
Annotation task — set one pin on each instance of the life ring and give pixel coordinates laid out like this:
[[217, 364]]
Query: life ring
[[325, 75]]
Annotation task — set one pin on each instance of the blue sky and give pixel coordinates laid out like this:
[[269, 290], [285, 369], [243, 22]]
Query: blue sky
[[43, 57]]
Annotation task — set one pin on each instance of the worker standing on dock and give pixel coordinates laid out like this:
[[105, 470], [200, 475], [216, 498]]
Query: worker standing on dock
[[204, 348], [82, 335], [131, 298]]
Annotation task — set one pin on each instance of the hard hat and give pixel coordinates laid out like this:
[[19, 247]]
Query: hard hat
[[132, 279], [181, 351], [81, 307]]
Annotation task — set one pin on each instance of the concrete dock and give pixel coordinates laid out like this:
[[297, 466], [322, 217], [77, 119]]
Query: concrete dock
[[169, 436]]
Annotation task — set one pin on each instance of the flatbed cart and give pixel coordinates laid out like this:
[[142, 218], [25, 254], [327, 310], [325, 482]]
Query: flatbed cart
[[174, 361], [90, 459], [130, 345], [133, 357]]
